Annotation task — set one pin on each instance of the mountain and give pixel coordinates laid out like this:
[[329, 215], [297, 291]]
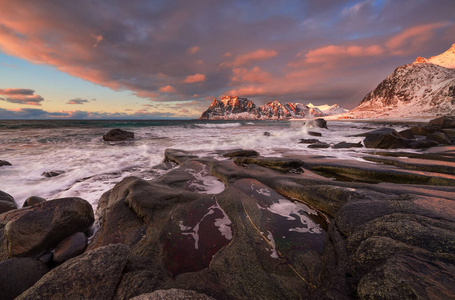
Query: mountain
[[329, 110], [424, 88], [235, 108]]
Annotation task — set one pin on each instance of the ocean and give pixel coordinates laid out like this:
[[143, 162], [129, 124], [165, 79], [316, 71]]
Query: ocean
[[90, 166]]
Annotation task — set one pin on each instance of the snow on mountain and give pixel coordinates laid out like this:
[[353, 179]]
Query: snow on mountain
[[235, 108], [446, 59], [329, 110], [423, 88]]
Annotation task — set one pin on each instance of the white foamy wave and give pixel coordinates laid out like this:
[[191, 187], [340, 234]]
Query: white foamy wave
[[219, 125]]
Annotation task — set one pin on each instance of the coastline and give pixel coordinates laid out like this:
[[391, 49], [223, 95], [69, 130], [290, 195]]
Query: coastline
[[306, 225]]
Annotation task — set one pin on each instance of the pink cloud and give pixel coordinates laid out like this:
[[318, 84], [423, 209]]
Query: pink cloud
[[167, 89], [328, 55], [258, 55], [415, 37], [255, 74], [21, 96], [194, 78], [194, 50]]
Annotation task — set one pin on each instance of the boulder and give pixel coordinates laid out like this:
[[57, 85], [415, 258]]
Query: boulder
[[19, 274], [7, 202], [266, 133], [309, 141], [70, 247], [347, 145], [424, 130], [449, 132], [278, 163], [241, 153], [314, 133], [439, 137], [443, 122], [31, 230], [4, 163], [32, 200], [175, 294], [422, 144], [319, 122], [52, 173], [319, 145], [117, 134], [92, 275], [384, 138], [407, 134]]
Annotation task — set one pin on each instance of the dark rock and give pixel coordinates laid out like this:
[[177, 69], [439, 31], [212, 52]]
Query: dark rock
[[267, 133], [443, 122], [241, 153], [92, 275], [32, 200], [449, 132], [407, 134], [319, 145], [384, 138], [32, 230], [7, 202], [175, 294], [70, 247], [314, 133], [4, 163], [136, 283], [308, 141], [19, 274], [348, 145], [118, 135], [422, 144], [424, 129], [53, 173], [439, 137], [177, 156], [393, 279], [319, 122], [282, 164], [47, 258]]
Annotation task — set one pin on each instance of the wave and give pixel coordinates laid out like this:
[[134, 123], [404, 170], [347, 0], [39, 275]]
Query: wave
[[218, 125]]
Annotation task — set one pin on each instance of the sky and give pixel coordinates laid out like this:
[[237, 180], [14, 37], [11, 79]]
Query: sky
[[169, 59]]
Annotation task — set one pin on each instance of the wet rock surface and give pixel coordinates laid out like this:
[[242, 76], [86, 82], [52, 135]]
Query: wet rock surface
[[292, 227], [32, 230], [7, 202], [4, 163]]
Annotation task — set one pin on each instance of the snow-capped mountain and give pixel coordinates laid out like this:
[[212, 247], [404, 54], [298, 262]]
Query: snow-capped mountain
[[424, 88], [235, 108], [329, 110]]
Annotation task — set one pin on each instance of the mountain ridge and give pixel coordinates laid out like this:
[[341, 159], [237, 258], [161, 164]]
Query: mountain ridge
[[423, 88], [237, 108]]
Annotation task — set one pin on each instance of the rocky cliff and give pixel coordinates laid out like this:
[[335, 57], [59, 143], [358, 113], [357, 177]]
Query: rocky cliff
[[424, 88], [235, 108]]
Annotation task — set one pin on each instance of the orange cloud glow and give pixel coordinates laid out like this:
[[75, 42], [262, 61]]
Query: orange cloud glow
[[194, 78], [167, 89]]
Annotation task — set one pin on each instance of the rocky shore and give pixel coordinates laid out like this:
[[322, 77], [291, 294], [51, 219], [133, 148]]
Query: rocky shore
[[237, 225]]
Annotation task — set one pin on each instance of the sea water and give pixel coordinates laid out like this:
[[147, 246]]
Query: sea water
[[92, 166]]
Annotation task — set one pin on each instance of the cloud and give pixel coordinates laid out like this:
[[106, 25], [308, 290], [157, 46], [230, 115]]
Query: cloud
[[193, 50], [194, 78], [332, 54], [256, 74], [415, 37], [16, 92], [77, 101], [250, 47], [21, 96], [258, 55], [167, 89]]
